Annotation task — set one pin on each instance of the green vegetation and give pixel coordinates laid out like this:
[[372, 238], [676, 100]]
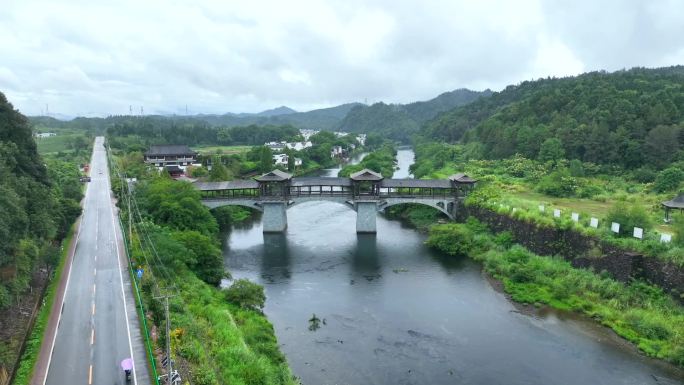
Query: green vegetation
[[623, 119], [221, 150], [639, 312], [220, 335], [39, 201], [35, 339], [381, 160], [584, 188], [399, 122]]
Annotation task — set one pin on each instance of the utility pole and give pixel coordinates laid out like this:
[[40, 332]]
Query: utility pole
[[169, 362], [130, 213]]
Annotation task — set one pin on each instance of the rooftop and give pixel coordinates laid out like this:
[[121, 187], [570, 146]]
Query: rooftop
[[675, 203], [461, 178], [238, 184], [274, 176], [366, 174], [170, 150], [320, 181], [417, 183]]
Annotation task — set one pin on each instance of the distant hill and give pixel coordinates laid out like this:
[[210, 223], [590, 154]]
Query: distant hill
[[400, 122], [282, 110], [626, 118]]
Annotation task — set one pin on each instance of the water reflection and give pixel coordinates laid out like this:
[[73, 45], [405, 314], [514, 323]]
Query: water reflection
[[366, 264], [276, 263]]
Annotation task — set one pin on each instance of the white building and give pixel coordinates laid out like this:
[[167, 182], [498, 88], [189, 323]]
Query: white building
[[306, 133], [361, 138], [297, 162], [299, 146], [336, 151], [280, 159], [276, 146], [41, 135]]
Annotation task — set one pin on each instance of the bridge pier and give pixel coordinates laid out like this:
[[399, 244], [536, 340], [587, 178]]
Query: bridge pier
[[366, 212], [275, 216]]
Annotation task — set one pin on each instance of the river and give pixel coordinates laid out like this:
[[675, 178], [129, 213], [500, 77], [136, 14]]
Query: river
[[396, 312]]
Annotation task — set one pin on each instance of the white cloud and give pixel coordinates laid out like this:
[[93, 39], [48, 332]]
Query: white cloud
[[85, 57]]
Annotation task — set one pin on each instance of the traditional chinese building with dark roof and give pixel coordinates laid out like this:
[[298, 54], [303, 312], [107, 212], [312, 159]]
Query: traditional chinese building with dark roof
[[171, 155]]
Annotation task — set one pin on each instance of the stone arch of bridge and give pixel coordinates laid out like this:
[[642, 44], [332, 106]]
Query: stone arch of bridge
[[445, 207], [213, 204], [339, 200]]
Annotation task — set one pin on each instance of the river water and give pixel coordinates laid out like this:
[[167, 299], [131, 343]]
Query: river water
[[393, 311]]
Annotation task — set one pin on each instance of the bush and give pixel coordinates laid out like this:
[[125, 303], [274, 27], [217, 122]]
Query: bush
[[644, 175], [629, 216], [668, 179], [558, 184], [246, 294], [452, 238]]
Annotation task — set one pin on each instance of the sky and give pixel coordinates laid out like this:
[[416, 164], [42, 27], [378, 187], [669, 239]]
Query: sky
[[99, 58]]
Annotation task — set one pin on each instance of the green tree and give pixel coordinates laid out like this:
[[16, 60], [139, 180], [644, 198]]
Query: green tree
[[668, 179], [551, 150], [204, 258], [558, 184], [219, 172], [246, 294]]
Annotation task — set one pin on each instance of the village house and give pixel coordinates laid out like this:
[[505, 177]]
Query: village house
[[280, 159], [276, 146], [299, 146], [179, 156], [41, 135]]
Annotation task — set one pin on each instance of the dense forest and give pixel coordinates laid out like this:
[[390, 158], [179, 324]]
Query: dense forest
[[627, 118], [39, 200], [400, 122], [154, 130]]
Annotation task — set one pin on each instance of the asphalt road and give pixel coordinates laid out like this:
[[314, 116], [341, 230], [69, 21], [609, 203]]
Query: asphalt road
[[98, 326]]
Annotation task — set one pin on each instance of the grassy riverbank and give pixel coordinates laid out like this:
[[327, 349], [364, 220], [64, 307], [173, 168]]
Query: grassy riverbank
[[640, 313], [176, 241]]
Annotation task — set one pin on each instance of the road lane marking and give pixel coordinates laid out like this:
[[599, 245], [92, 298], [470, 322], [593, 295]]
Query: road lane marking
[[93, 308], [90, 374], [94, 288], [68, 279], [123, 293], [92, 336], [95, 271]]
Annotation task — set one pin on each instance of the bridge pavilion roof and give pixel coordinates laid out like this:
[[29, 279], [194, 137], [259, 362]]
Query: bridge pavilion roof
[[274, 176], [417, 183], [675, 203], [366, 174], [462, 178], [238, 184], [320, 181]]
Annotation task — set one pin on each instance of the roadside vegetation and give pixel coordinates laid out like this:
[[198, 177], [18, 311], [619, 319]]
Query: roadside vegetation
[[39, 202], [637, 311], [219, 336]]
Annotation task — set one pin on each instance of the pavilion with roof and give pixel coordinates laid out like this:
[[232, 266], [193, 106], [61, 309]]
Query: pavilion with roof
[[676, 203]]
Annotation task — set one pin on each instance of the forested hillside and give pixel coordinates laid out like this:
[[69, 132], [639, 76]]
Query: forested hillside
[[400, 122], [626, 118], [37, 204]]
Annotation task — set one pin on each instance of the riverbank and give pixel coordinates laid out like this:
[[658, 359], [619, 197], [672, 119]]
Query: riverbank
[[638, 312]]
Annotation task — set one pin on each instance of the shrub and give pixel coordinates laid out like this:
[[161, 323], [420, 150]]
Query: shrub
[[644, 175], [629, 216], [678, 227], [452, 238], [558, 184], [668, 179], [246, 294]]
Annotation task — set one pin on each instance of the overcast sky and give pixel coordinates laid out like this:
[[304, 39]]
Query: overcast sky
[[83, 58]]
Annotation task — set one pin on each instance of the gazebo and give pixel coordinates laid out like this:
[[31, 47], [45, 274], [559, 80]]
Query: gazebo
[[673, 204]]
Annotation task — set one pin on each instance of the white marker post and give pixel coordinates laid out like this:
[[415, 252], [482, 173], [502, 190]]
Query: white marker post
[[638, 232], [556, 213], [665, 238], [541, 208], [575, 217], [615, 227], [593, 223]]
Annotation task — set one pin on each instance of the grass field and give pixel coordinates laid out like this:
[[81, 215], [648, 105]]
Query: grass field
[[224, 150], [54, 144]]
